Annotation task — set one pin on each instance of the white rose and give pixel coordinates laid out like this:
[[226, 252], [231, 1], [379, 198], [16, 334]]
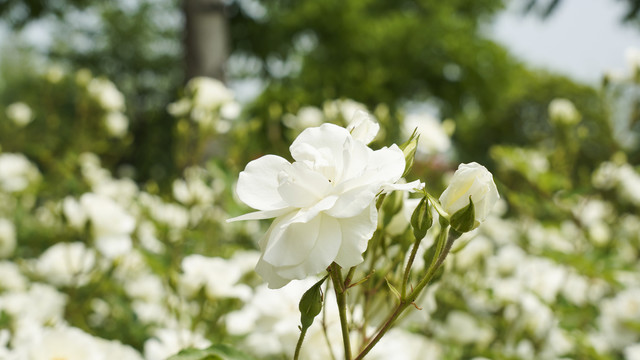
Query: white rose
[[16, 172], [363, 127], [116, 124], [563, 111], [433, 137], [20, 113], [470, 181], [323, 202]]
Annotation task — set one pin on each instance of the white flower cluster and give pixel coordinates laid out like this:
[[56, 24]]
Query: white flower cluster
[[109, 234], [209, 103]]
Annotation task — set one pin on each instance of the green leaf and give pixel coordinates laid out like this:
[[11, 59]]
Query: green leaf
[[215, 352], [311, 304]]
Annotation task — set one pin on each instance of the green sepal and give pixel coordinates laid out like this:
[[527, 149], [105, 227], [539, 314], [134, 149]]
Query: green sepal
[[464, 220], [409, 151], [311, 304], [421, 219]]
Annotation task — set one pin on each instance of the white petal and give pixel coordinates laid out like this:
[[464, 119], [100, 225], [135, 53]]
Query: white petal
[[322, 146], [259, 215], [412, 187], [258, 183], [353, 202], [356, 233], [267, 272], [363, 127], [291, 243], [304, 215], [301, 186], [323, 253]]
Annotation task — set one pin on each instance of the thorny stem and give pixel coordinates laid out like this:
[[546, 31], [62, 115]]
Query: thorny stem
[[406, 302], [338, 287]]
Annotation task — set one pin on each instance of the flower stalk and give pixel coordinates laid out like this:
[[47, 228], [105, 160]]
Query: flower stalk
[[405, 302], [340, 291]]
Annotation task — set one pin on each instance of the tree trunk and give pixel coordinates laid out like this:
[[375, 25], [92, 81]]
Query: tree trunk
[[206, 38]]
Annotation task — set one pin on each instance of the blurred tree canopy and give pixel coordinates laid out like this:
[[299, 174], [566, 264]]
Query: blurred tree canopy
[[308, 51]]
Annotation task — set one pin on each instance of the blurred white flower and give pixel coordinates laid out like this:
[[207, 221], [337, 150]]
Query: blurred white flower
[[66, 264], [632, 352], [576, 288], [463, 328], [308, 116], [20, 113], [193, 189], [629, 183], [54, 74], [179, 108], [112, 349], [342, 109], [324, 202], [270, 319], [66, 343], [12, 278], [471, 181], [74, 213], [401, 344], [562, 111], [40, 304], [106, 94], [16, 172], [616, 315], [111, 225], [147, 287], [218, 276], [7, 238], [433, 139], [208, 93], [116, 123], [363, 127], [168, 341]]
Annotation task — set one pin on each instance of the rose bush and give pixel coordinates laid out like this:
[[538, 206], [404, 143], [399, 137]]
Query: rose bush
[[323, 202]]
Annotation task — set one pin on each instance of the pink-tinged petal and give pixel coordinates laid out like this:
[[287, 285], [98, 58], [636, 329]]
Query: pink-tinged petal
[[268, 273], [356, 233], [260, 215], [258, 183], [326, 245]]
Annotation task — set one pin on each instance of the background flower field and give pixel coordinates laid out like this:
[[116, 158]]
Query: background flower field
[[118, 176]]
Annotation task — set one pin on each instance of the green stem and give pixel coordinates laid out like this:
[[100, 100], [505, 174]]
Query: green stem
[[407, 271], [405, 302], [338, 287], [303, 332]]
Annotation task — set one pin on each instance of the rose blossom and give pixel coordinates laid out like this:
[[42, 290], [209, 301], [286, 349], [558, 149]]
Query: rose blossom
[[470, 181], [323, 202]]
